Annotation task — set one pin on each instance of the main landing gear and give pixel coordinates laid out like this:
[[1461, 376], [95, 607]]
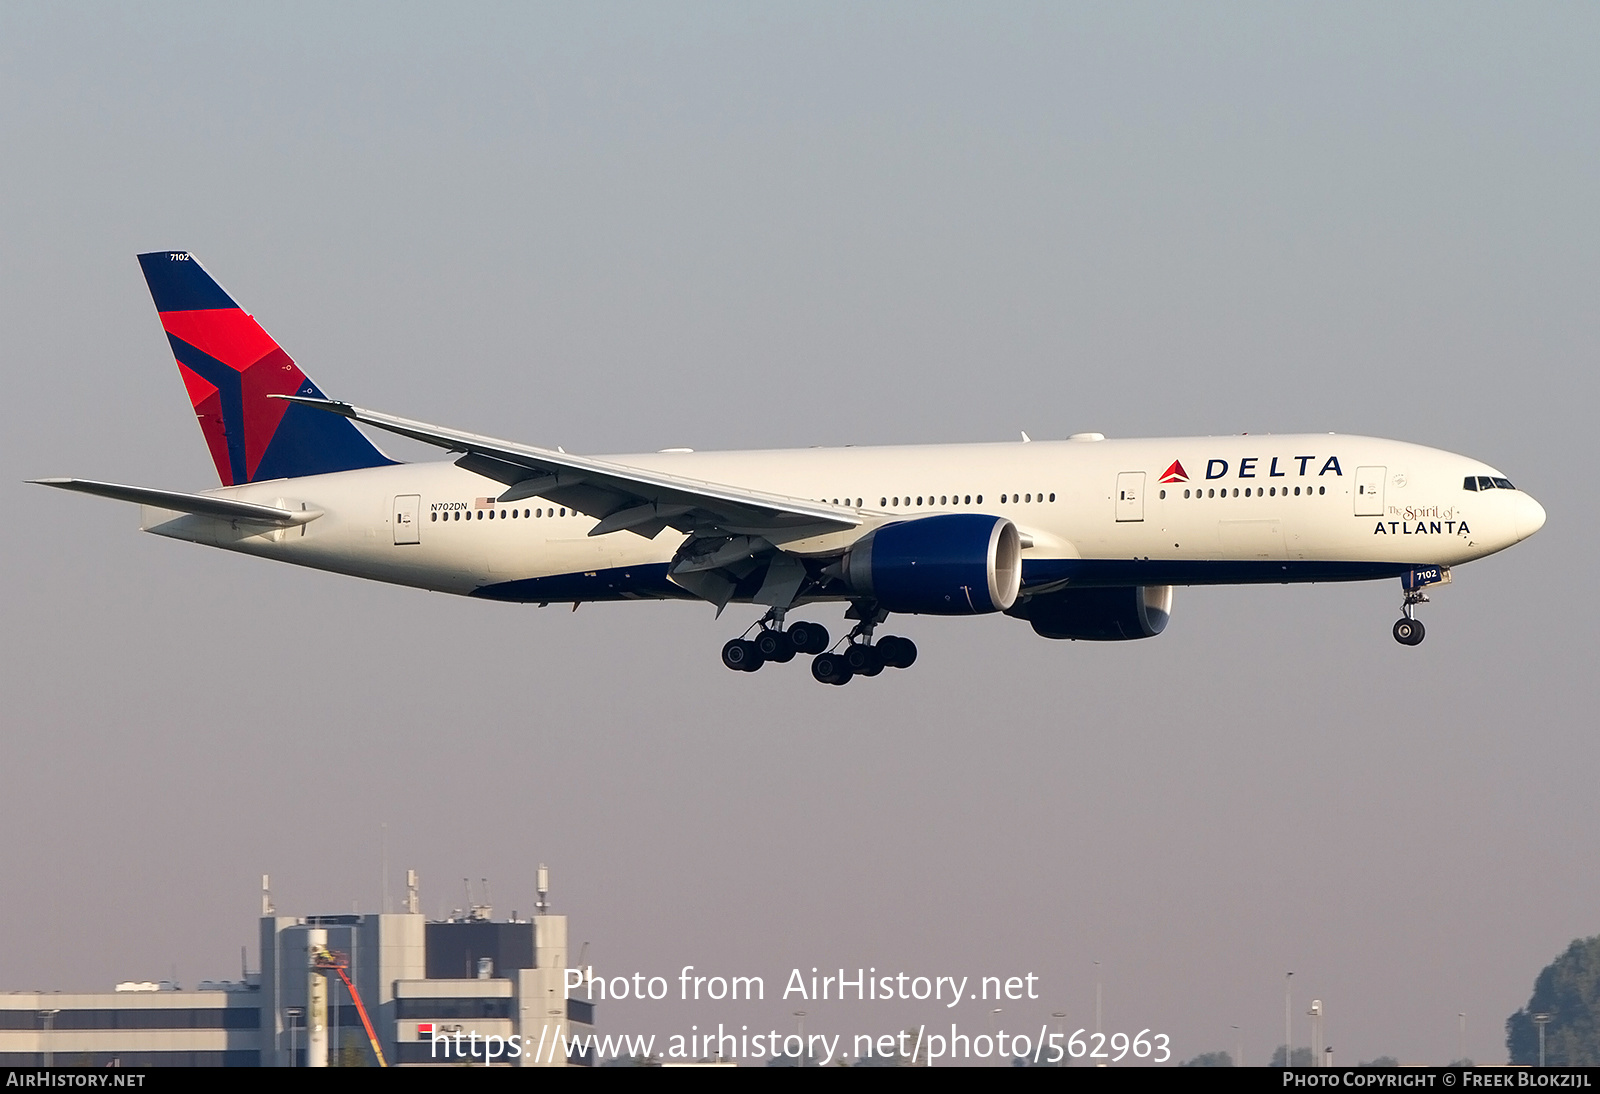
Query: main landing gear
[[860, 656], [773, 643]]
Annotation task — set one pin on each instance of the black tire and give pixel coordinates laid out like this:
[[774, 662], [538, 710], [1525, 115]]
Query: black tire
[[864, 660], [808, 637], [741, 656], [897, 652], [1409, 632], [830, 669], [775, 646]]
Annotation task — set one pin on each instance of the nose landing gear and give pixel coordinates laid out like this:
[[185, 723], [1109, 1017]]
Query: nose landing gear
[[1409, 631]]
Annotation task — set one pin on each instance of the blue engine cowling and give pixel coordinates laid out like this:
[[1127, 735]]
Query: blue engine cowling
[[1100, 614], [953, 564]]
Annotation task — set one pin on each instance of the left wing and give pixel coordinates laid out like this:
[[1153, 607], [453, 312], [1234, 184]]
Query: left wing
[[732, 532], [623, 498]]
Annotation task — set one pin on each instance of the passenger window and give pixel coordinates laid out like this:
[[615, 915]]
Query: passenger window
[[436, 516], [980, 499], [1163, 493], [1322, 489], [1186, 493], [1235, 491], [919, 500], [943, 500], [563, 512], [1052, 497]]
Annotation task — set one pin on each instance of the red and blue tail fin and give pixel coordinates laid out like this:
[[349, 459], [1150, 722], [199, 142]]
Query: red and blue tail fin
[[230, 366]]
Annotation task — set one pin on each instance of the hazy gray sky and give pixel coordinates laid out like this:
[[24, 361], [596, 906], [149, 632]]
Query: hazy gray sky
[[618, 228]]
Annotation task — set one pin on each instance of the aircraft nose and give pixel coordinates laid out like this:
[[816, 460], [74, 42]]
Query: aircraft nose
[[1530, 516]]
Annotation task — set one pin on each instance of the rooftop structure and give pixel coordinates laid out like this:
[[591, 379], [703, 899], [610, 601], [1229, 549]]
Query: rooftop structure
[[422, 982]]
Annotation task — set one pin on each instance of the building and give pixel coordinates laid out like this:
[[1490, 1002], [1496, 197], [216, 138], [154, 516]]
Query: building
[[422, 984]]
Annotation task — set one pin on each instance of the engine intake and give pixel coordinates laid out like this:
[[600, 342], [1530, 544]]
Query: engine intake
[[1100, 614], [952, 564]]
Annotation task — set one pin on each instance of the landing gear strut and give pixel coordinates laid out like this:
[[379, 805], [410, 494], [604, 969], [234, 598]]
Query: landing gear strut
[[1409, 631], [861, 656]]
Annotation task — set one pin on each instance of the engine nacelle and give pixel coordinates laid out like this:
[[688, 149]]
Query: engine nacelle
[[1100, 614], [952, 564]]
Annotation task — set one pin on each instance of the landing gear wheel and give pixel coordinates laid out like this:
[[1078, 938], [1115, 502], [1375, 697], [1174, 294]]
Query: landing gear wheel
[[808, 637], [897, 652], [741, 656], [830, 668], [775, 646], [864, 660], [1409, 632]]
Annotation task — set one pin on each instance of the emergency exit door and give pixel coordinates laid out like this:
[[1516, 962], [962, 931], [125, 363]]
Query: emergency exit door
[[406, 528], [1369, 491], [1130, 495]]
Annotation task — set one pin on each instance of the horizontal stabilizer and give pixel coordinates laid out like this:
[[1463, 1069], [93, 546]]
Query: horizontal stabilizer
[[201, 504]]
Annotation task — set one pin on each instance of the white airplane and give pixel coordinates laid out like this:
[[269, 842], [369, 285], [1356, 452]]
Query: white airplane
[[1083, 538]]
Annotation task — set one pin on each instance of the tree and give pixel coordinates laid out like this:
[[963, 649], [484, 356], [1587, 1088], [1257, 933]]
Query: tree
[[355, 1051], [1301, 1058], [1568, 990], [1209, 1059], [1381, 1061]]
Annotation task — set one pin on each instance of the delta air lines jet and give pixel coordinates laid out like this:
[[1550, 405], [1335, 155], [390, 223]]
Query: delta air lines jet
[[1083, 538]]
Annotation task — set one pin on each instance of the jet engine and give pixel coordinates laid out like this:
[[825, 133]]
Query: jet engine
[[952, 564], [1100, 614]]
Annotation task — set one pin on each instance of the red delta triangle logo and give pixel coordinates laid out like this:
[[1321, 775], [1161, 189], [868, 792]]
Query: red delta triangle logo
[[1175, 473]]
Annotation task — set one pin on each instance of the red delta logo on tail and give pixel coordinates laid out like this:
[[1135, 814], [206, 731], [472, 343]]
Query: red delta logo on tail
[[1175, 473], [231, 368]]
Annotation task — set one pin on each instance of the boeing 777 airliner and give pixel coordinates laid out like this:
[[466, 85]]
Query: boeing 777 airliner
[[1083, 538]]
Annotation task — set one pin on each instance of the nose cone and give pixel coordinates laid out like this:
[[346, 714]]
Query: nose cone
[[1530, 516]]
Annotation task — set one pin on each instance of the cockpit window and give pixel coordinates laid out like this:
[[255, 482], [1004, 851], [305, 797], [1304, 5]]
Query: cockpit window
[[1484, 482]]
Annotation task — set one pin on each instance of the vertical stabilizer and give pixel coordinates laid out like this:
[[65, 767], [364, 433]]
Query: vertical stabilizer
[[230, 366]]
